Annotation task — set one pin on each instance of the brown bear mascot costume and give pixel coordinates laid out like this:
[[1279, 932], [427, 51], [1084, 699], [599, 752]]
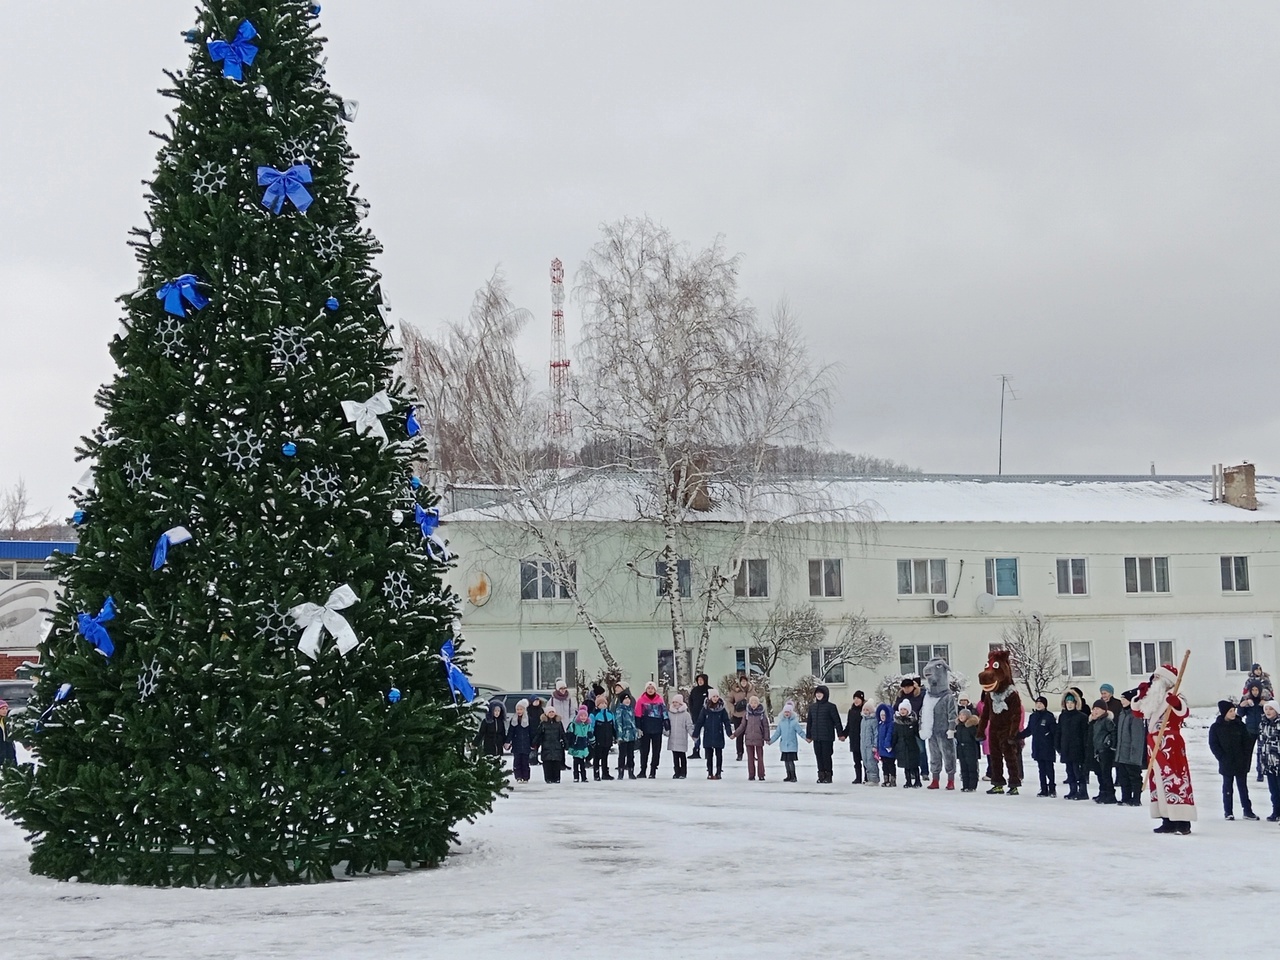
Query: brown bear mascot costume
[[1001, 721]]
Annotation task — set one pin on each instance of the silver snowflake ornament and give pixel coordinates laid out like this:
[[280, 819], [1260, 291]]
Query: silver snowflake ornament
[[209, 179], [329, 242], [300, 150], [321, 485], [397, 591], [244, 450], [149, 679], [169, 335], [289, 347], [274, 623], [138, 471]]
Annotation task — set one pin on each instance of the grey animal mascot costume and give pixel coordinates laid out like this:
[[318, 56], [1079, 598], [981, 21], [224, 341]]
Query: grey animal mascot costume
[[938, 721]]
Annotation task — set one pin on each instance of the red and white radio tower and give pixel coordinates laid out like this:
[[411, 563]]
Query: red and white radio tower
[[559, 355]]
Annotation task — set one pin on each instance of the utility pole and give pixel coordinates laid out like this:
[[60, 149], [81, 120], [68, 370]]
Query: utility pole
[[1005, 387]]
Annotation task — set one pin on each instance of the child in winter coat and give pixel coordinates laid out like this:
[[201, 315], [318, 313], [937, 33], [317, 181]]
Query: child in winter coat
[[520, 739], [1102, 734], [1042, 728], [549, 738], [1249, 710], [651, 720], [1229, 743], [535, 718], [754, 729], [712, 726], [1074, 747], [867, 745], [906, 744], [1131, 751], [853, 730], [968, 749], [581, 738], [884, 744], [624, 721], [603, 730], [1269, 750], [787, 736], [681, 722], [493, 730]]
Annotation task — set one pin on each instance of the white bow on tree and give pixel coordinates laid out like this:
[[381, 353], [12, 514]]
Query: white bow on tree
[[365, 415], [313, 618]]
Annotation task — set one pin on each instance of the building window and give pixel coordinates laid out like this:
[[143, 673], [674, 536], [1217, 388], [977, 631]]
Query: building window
[[8, 570], [753, 579], [538, 580], [1072, 581], [1077, 659], [826, 578], [1002, 576], [822, 667], [667, 667], [1146, 655], [1235, 574], [1239, 655], [684, 577], [758, 657], [922, 576], [1146, 574], [540, 669], [912, 657]]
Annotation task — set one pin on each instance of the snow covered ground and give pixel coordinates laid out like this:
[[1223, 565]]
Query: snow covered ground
[[726, 868]]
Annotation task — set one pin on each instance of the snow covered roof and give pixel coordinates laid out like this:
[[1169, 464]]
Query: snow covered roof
[[920, 499]]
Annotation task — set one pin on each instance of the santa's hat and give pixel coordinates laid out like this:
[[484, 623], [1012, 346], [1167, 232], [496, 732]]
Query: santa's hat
[[1167, 672]]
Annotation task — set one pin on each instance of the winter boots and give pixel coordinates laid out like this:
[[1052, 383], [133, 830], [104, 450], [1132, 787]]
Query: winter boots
[[998, 788], [951, 783], [933, 784]]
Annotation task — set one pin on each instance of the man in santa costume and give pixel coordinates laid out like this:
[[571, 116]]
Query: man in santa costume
[[1169, 785]]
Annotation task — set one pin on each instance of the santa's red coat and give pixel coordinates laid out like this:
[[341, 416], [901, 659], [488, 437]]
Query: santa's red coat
[[1169, 782]]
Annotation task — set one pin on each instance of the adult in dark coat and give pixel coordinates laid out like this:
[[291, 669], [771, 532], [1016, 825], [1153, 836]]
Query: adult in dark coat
[[1250, 711], [493, 730], [853, 731], [713, 725], [535, 718], [550, 738], [1131, 751], [913, 693], [695, 701], [1229, 743], [821, 729], [1074, 746]]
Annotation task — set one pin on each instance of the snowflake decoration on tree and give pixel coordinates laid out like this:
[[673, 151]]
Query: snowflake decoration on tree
[[321, 485], [329, 243], [289, 347], [138, 471], [274, 623], [149, 679], [210, 178], [244, 451], [300, 150], [397, 591], [169, 335]]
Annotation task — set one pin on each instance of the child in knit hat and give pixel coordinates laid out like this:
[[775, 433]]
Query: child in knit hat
[[681, 722], [1269, 751], [787, 736], [906, 744], [581, 738]]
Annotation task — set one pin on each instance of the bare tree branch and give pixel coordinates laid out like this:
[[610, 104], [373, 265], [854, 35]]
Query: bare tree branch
[[1034, 653]]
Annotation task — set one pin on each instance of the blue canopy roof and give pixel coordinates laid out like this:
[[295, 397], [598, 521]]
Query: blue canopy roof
[[34, 549]]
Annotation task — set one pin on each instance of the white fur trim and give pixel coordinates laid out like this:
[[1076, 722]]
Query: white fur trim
[[1167, 673]]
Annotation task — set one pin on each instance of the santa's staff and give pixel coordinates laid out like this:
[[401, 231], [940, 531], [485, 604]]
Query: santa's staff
[[1168, 774]]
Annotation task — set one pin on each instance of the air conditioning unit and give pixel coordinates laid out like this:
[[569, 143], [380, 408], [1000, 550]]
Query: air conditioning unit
[[943, 606]]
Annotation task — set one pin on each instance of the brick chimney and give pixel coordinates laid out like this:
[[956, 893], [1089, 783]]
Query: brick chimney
[[1238, 487]]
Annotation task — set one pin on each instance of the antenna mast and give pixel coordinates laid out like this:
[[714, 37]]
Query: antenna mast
[[559, 425], [1005, 387]]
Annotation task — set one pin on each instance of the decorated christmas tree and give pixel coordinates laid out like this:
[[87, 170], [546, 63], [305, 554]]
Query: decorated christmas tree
[[251, 674]]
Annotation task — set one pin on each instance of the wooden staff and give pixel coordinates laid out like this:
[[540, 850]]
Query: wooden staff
[[1164, 724]]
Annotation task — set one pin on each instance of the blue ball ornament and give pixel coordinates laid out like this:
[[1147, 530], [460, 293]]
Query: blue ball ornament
[[393, 695], [315, 10], [331, 303], [289, 449], [415, 482], [78, 517], [191, 36]]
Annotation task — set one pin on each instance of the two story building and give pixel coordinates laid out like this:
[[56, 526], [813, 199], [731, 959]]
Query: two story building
[[26, 592], [1127, 572]]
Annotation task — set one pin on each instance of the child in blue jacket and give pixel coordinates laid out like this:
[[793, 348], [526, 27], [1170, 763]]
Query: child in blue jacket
[[787, 734], [1042, 728], [884, 744]]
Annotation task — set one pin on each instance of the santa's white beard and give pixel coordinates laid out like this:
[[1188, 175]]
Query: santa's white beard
[[1152, 705]]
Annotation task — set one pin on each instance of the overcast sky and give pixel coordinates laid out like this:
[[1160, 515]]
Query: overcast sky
[[1081, 195]]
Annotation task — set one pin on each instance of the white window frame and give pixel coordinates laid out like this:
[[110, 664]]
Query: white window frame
[[1155, 576], [545, 580], [826, 672], [1065, 650], [993, 578], [531, 668], [823, 566], [912, 569], [8, 570], [742, 662], [922, 653], [1230, 569], [1070, 570], [1150, 652], [1232, 650], [742, 582]]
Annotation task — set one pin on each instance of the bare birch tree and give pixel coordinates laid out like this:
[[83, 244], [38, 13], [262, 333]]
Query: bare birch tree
[[858, 644], [18, 518], [1034, 653], [680, 381]]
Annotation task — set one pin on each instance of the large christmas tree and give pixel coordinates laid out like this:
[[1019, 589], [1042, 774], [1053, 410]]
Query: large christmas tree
[[272, 696]]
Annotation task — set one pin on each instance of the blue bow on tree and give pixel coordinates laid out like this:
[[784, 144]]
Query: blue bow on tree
[[92, 629], [175, 535], [183, 288], [285, 183], [459, 685], [236, 53], [429, 523], [411, 423]]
